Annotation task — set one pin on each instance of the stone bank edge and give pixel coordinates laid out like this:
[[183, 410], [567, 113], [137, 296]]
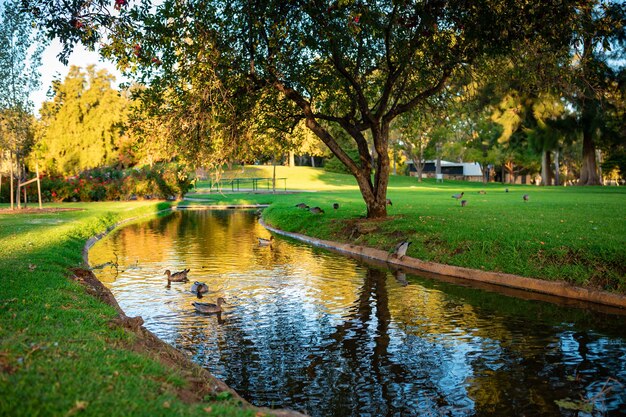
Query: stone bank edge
[[553, 288]]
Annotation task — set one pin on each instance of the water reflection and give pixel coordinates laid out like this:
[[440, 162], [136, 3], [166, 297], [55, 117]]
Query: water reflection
[[321, 333]]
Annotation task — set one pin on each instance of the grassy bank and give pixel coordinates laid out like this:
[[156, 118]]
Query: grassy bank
[[61, 353], [574, 234]]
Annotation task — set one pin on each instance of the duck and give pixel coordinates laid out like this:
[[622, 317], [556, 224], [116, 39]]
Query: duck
[[459, 195], [388, 202], [180, 276], [401, 248], [317, 210], [525, 197], [483, 192], [463, 203], [199, 288], [209, 308], [266, 242], [336, 206], [302, 206]]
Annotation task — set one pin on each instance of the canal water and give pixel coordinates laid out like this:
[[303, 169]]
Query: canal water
[[324, 334]]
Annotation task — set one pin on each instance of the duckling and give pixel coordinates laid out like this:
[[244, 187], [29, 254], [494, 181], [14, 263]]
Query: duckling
[[316, 210], [180, 276], [401, 249], [266, 242], [458, 196], [199, 288], [209, 308]]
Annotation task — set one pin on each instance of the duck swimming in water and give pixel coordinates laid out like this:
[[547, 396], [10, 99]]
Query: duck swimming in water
[[209, 308], [199, 288], [180, 276], [266, 242]]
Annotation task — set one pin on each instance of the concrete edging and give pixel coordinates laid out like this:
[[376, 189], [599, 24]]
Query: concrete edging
[[554, 288]]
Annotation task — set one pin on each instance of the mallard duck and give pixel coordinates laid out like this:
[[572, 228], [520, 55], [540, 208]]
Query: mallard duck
[[316, 210], [180, 276], [266, 242], [302, 206], [199, 288], [209, 307], [401, 248], [458, 196]]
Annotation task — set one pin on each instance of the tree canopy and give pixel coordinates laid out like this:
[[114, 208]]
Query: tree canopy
[[222, 69], [81, 127]]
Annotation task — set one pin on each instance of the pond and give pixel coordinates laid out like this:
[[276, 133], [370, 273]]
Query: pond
[[314, 331]]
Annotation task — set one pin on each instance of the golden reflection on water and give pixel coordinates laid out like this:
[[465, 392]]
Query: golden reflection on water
[[319, 332]]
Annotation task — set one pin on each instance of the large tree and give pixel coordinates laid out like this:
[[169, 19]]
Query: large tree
[[594, 79], [20, 58], [82, 125], [345, 64]]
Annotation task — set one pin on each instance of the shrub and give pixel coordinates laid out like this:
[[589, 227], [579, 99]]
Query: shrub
[[161, 181]]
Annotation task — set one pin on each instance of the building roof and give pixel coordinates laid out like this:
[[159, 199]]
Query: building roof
[[470, 169]]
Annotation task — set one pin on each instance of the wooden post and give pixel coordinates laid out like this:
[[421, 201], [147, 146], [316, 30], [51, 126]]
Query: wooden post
[[38, 185], [19, 186], [11, 177]]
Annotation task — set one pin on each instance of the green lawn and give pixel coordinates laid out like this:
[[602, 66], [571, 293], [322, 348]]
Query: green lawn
[[60, 354], [575, 234]]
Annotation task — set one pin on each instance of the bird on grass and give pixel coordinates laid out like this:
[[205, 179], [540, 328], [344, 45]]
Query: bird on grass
[[199, 288], [336, 206], [506, 190], [266, 242], [209, 308], [401, 248], [316, 210], [302, 206], [482, 192], [388, 202], [463, 203], [180, 276], [525, 197], [458, 196]]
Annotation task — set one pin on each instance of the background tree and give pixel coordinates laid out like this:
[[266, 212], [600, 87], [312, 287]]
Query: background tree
[[594, 78], [82, 125], [20, 58]]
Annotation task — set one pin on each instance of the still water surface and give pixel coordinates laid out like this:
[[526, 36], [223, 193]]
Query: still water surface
[[330, 336]]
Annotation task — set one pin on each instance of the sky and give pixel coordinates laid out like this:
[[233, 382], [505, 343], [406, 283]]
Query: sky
[[51, 67]]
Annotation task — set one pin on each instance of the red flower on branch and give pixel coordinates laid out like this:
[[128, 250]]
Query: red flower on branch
[[120, 3]]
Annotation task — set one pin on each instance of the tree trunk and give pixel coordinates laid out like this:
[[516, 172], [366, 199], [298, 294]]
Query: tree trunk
[[556, 168], [292, 159], [274, 174], [589, 171], [545, 168], [312, 161], [420, 164]]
